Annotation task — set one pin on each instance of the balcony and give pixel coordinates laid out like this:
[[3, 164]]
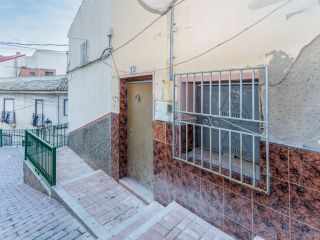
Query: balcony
[[8, 117], [37, 120]]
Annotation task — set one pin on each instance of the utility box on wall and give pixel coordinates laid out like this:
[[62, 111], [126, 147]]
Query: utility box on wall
[[163, 111]]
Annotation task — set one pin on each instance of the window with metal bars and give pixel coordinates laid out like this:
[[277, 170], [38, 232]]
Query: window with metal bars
[[221, 124]]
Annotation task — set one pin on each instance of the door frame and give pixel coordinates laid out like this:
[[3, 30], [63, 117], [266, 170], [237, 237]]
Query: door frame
[[123, 118]]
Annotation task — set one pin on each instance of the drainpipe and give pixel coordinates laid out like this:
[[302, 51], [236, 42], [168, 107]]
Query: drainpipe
[[171, 43]]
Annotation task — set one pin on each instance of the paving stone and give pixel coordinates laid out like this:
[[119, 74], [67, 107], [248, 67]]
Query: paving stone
[[27, 214]]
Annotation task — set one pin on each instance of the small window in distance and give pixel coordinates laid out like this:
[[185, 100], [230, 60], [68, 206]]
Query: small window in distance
[[84, 53], [32, 74], [48, 73], [65, 107]]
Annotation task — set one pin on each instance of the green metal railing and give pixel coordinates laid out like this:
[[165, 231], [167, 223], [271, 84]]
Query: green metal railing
[[40, 147], [54, 135], [42, 155]]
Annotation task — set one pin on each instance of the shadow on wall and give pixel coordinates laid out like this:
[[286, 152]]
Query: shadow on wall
[[257, 4], [293, 14]]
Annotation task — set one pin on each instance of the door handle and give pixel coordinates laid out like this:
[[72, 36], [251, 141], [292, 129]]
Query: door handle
[[131, 130]]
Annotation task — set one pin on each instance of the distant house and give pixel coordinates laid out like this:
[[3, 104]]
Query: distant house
[[32, 102], [41, 63]]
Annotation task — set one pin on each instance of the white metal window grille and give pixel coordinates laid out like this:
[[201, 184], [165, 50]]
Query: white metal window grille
[[221, 124]]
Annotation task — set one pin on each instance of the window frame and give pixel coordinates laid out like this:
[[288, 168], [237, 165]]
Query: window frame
[[48, 73], [4, 104], [65, 102], [32, 72], [84, 53], [36, 106]]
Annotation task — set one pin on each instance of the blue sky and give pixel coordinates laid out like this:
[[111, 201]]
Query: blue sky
[[40, 21]]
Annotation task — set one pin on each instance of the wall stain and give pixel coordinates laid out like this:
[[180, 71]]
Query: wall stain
[[279, 65], [291, 15], [257, 4]]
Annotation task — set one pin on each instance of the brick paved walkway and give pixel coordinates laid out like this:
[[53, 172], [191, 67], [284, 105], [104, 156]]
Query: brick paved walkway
[[122, 214], [26, 214], [102, 197]]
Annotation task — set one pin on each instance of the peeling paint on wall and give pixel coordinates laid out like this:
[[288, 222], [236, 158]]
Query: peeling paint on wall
[[256, 4], [294, 102], [291, 15], [279, 65]]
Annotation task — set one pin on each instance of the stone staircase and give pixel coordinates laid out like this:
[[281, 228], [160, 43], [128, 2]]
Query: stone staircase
[[109, 211]]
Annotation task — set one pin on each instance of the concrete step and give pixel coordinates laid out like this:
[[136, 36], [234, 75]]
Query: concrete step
[[90, 223], [137, 189], [139, 232], [133, 223], [176, 222]]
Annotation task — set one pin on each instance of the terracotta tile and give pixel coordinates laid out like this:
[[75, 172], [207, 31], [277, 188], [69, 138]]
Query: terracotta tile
[[159, 131], [123, 120], [177, 179], [301, 231], [305, 168], [123, 148], [123, 106], [211, 177], [237, 188], [236, 230], [174, 162], [159, 150], [278, 198], [163, 192], [171, 174], [123, 134], [169, 133], [115, 134], [238, 208], [160, 169], [188, 201], [114, 120], [213, 217], [168, 152], [278, 156], [190, 184], [123, 91], [190, 168], [305, 205], [270, 224], [211, 197]]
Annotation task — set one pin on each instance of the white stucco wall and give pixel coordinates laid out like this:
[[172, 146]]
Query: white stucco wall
[[24, 106], [41, 59], [7, 69], [279, 41], [89, 87]]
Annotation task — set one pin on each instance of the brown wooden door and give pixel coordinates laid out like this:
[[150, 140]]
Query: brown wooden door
[[140, 159]]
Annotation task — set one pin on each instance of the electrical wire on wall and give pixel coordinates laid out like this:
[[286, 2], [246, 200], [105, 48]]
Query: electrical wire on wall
[[196, 56], [32, 105], [127, 42]]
